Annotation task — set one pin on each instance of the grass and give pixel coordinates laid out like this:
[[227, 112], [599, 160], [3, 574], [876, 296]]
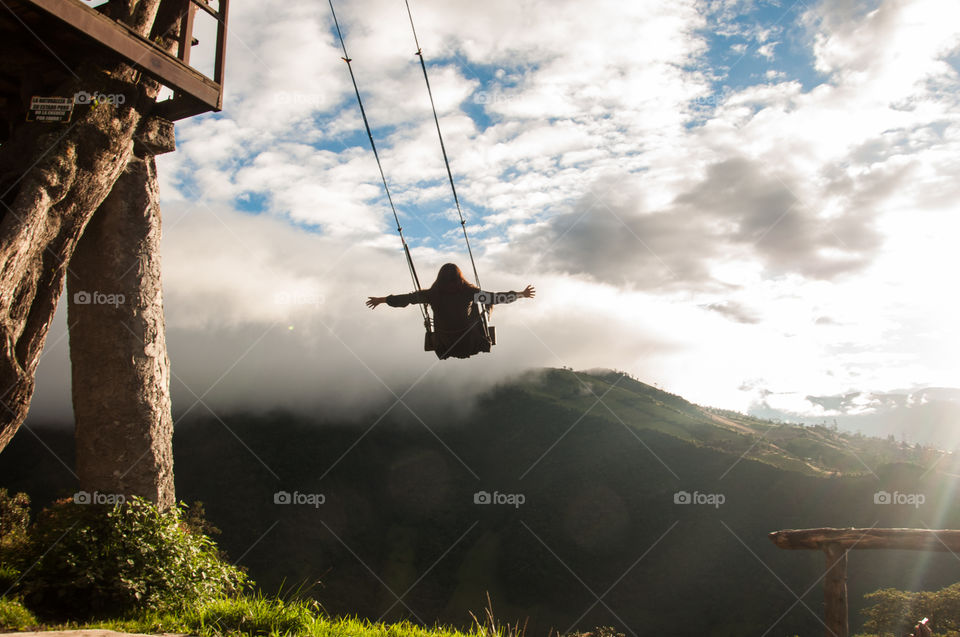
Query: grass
[[252, 616], [490, 627], [243, 617]]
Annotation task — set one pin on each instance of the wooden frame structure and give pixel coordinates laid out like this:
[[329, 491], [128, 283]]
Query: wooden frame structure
[[194, 93], [836, 542]]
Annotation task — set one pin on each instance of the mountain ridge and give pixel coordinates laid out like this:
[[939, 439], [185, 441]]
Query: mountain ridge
[[604, 510]]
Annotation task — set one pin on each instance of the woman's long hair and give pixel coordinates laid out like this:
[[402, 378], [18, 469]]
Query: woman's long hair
[[450, 278]]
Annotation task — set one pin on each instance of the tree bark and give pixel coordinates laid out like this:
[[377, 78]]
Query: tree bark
[[52, 178], [118, 353]]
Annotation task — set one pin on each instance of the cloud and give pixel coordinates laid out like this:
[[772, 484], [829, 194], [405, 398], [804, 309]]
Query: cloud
[[597, 155], [261, 314], [914, 37], [768, 50], [739, 209], [734, 311], [606, 237]]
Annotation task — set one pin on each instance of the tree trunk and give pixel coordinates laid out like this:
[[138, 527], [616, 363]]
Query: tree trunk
[[120, 369], [52, 178]]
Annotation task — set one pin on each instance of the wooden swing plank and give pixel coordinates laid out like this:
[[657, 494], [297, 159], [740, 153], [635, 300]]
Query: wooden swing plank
[[853, 538]]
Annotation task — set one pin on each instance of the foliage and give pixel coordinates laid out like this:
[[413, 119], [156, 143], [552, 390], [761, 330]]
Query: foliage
[[92, 560], [14, 617], [895, 611], [195, 517], [14, 519], [9, 576], [14, 523]]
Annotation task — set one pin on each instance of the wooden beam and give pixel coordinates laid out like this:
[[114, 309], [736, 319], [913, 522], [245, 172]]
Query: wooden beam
[[835, 591], [185, 37], [898, 539], [179, 107], [221, 55], [206, 7], [141, 53]]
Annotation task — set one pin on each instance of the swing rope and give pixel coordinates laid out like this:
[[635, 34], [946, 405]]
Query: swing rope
[[484, 310], [406, 249], [436, 120]]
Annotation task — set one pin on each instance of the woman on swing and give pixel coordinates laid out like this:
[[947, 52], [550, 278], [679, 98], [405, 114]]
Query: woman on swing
[[457, 319]]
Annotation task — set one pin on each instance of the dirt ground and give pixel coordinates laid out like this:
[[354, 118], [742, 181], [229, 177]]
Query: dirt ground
[[81, 633]]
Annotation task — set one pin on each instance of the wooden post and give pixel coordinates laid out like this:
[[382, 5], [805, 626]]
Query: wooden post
[[221, 57], [185, 37], [835, 591]]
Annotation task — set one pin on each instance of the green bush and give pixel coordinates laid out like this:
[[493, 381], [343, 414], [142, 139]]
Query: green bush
[[14, 617], [101, 561], [9, 577], [14, 525], [895, 612]]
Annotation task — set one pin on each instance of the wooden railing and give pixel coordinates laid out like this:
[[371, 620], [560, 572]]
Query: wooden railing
[[194, 93], [836, 542]]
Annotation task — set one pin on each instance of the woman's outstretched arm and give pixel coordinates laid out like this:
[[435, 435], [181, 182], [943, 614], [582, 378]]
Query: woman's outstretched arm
[[499, 298], [374, 301], [398, 300]]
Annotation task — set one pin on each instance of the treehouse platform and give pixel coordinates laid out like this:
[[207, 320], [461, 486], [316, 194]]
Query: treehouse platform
[[55, 35]]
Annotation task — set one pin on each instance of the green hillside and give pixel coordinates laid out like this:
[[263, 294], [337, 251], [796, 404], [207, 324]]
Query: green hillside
[[601, 462], [813, 450]]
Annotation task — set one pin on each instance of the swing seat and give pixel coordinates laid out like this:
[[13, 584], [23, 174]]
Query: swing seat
[[430, 338]]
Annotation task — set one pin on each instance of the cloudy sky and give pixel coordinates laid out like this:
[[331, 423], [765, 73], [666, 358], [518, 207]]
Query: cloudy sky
[[741, 201]]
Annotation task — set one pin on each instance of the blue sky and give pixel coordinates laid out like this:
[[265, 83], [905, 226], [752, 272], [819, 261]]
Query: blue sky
[[737, 56], [743, 201]]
